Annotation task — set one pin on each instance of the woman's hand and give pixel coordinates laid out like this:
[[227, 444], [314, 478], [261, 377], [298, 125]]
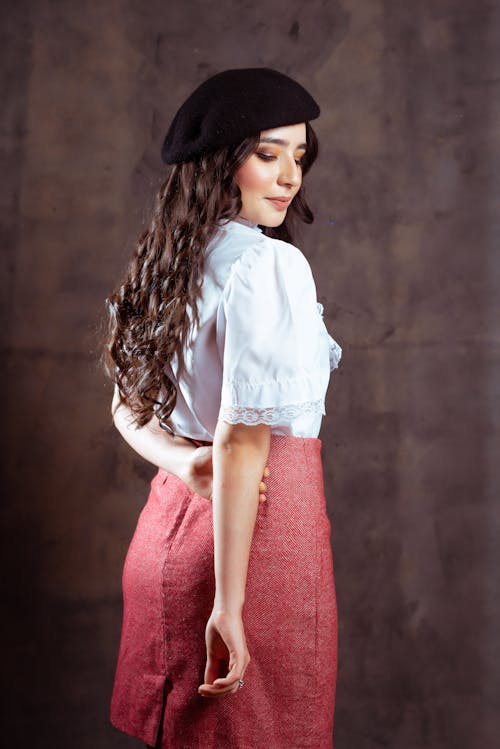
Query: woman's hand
[[227, 654], [199, 473], [174, 454]]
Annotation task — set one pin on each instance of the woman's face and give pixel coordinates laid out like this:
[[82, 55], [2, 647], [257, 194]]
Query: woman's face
[[273, 171]]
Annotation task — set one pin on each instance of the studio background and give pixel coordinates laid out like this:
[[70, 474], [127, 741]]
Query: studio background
[[404, 250]]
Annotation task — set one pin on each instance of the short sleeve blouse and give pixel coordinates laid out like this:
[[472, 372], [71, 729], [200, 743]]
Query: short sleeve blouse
[[262, 353], [276, 352]]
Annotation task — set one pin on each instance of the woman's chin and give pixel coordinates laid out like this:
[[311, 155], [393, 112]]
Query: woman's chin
[[273, 221]]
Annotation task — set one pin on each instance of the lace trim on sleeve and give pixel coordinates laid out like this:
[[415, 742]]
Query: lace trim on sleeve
[[272, 415]]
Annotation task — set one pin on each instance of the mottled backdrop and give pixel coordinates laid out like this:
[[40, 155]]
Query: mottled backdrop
[[405, 252]]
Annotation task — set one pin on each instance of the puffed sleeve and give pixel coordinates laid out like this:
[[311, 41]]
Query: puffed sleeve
[[270, 338]]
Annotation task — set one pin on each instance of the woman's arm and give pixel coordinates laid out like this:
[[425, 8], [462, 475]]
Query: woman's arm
[[153, 443], [177, 455], [239, 455]]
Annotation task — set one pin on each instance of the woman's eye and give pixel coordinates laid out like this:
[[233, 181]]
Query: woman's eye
[[268, 157]]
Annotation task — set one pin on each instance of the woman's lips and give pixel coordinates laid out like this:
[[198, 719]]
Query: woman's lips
[[279, 203]]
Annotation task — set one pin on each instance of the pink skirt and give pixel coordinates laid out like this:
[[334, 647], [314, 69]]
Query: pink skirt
[[290, 617]]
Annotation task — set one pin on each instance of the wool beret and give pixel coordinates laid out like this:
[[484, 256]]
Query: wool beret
[[233, 105]]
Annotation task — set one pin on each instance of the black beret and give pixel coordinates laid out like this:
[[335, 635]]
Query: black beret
[[233, 105]]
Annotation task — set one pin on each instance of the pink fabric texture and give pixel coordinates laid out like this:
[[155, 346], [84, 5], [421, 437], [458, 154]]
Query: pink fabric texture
[[290, 617]]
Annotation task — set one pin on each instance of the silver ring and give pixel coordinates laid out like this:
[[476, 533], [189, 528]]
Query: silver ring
[[241, 682]]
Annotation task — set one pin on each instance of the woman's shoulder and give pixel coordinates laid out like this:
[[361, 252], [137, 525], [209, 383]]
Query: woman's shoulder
[[264, 255], [239, 254]]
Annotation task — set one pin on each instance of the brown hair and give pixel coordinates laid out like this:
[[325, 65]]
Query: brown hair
[[147, 313]]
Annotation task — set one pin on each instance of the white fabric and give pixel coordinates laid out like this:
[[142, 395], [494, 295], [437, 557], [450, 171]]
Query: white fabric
[[262, 353], [335, 349]]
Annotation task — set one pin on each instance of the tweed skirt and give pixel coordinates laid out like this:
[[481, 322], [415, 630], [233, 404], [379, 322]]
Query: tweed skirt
[[289, 615]]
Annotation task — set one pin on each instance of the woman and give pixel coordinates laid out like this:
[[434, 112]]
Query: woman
[[221, 359]]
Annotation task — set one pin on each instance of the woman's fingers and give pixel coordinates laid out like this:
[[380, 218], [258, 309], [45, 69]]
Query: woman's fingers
[[263, 486], [222, 685], [211, 671], [229, 681], [207, 690], [225, 682]]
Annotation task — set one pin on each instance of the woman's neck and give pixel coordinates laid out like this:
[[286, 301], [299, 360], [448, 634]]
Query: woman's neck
[[246, 222]]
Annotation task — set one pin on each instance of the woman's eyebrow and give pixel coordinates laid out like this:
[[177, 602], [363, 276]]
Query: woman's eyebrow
[[281, 142]]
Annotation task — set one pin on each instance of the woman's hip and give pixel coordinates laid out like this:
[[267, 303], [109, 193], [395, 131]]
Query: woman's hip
[[173, 540], [293, 514]]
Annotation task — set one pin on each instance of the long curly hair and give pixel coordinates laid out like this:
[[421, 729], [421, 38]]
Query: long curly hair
[[151, 311]]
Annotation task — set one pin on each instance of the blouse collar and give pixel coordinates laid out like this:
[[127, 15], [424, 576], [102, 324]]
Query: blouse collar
[[247, 222]]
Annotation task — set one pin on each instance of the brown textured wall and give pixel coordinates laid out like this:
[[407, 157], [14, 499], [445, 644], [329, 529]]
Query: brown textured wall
[[406, 196]]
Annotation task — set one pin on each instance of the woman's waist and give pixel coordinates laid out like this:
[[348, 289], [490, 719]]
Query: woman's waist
[[290, 458], [292, 439]]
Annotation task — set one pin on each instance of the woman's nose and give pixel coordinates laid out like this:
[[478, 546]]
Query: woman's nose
[[290, 173]]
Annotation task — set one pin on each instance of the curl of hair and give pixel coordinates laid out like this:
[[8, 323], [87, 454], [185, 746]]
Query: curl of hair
[[152, 310]]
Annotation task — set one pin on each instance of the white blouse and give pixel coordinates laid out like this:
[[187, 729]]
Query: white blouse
[[262, 353]]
